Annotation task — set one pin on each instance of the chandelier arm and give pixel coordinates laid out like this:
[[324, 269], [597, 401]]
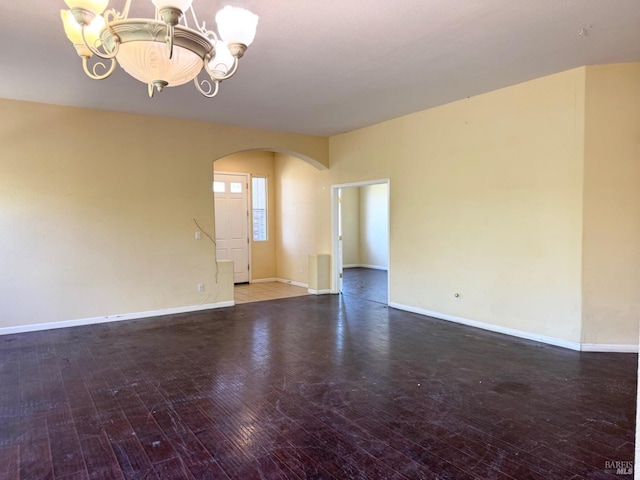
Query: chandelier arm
[[211, 90], [116, 15], [229, 74], [210, 34], [169, 40], [92, 73], [184, 17], [193, 14], [98, 53], [202, 28]]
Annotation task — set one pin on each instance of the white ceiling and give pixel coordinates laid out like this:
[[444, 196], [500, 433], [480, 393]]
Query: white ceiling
[[331, 66]]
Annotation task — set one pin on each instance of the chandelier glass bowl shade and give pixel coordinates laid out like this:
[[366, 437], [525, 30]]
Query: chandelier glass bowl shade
[[160, 52]]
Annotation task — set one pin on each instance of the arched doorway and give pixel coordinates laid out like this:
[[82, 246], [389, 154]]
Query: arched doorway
[[278, 216]]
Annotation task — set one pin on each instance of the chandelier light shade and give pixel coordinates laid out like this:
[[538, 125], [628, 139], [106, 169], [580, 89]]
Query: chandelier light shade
[[94, 6], [160, 52], [236, 25], [148, 62], [74, 32]]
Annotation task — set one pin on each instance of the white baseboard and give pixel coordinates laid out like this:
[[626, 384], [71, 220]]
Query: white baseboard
[[609, 347], [362, 265], [319, 292], [292, 282], [585, 347], [263, 280], [558, 342], [112, 318]]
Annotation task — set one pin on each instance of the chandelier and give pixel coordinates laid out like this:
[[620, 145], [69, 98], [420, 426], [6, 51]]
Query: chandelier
[[161, 52]]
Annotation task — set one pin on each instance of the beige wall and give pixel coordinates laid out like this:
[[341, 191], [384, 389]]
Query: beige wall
[[611, 252], [520, 200], [97, 209], [260, 164], [351, 226], [374, 225], [365, 219], [486, 201], [302, 196]]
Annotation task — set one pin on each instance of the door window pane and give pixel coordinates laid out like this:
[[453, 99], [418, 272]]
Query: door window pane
[[235, 187], [219, 187], [259, 208]]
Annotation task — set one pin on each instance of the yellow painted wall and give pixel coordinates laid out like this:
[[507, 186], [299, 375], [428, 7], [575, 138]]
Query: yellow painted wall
[[351, 226], [97, 209], [611, 253], [374, 225], [523, 200], [302, 197], [364, 226], [260, 164], [486, 200]]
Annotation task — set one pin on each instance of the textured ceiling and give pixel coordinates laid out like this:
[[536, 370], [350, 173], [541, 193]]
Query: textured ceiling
[[333, 66]]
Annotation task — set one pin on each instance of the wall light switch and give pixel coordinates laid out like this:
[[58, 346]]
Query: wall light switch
[[197, 235]]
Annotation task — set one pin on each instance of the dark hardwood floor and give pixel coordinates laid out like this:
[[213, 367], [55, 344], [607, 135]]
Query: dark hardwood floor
[[365, 283], [311, 387]]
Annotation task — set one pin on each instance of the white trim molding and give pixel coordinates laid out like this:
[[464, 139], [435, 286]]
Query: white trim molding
[[609, 347], [358, 265], [263, 280], [292, 282], [558, 342], [113, 318], [326, 291]]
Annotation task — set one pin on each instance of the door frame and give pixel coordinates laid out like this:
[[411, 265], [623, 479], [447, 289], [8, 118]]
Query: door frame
[[336, 263], [249, 191]]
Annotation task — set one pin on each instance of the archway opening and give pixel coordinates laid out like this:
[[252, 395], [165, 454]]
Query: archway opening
[[277, 215]]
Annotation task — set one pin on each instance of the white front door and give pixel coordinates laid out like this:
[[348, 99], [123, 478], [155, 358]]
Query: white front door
[[232, 217]]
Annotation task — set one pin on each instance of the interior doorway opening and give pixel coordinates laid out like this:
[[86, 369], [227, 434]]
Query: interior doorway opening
[[360, 240], [280, 215]]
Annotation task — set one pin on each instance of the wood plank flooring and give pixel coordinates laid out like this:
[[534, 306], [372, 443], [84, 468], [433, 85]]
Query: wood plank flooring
[[365, 283], [331, 387]]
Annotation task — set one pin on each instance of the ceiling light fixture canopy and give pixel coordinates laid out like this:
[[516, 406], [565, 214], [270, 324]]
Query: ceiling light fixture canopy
[[161, 52]]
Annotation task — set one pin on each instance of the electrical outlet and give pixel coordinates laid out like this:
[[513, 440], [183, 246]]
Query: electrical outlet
[[197, 235], [201, 287]]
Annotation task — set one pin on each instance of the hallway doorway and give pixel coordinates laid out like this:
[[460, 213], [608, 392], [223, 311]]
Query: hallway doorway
[[360, 240]]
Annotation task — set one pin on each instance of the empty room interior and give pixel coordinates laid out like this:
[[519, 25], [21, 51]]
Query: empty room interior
[[401, 241]]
